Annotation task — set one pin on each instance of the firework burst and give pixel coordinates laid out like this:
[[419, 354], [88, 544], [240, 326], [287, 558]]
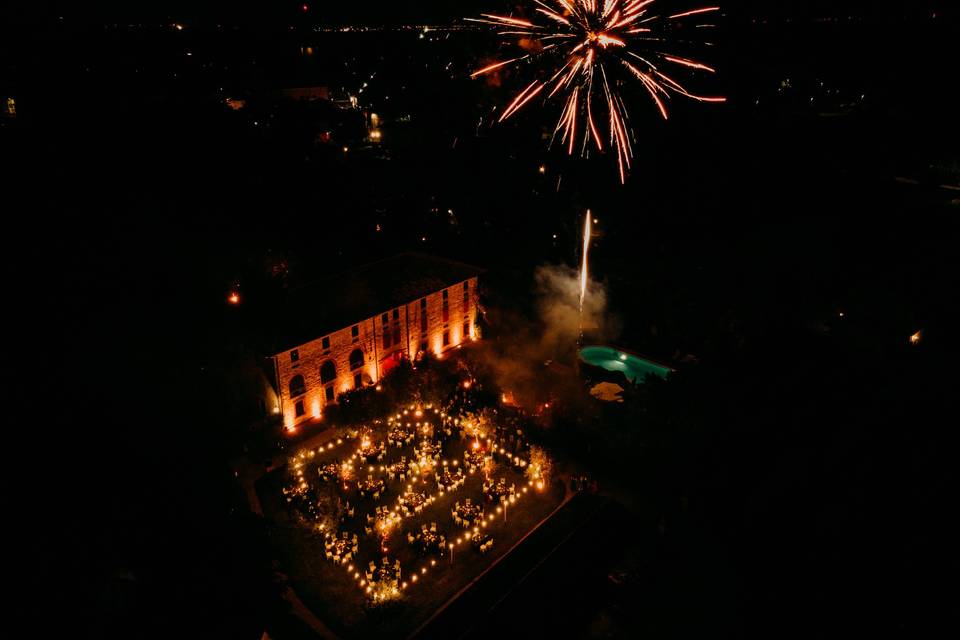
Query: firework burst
[[580, 47]]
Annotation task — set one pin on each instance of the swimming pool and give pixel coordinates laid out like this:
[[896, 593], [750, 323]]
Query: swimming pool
[[635, 368]]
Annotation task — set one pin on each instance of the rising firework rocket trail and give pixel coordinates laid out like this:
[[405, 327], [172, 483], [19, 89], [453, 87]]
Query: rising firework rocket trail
[[583, 45], [584, 277]]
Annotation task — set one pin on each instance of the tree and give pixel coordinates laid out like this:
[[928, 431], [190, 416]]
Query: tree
[[540, 467]]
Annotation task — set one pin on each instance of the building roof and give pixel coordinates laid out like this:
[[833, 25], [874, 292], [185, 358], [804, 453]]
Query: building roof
[[337, 302]]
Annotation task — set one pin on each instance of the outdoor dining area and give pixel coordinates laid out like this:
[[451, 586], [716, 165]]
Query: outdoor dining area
[[449, 479], [467, 513], [369, 450], [371, 486], [482, 542], [400, 469], [429, 475], [474, 457], [329, 471], [383, 582], [400, 436], [412, 502], [427, 450], [340, 548], [428, 540], [498, 491]]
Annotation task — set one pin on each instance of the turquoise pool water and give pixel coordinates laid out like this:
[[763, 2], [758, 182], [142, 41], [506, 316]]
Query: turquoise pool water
[[636, 369]]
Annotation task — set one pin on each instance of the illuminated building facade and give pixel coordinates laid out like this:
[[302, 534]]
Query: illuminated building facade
[[353, 329]]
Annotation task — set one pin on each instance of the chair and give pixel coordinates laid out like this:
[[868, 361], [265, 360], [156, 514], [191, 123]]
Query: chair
[[355, 546], [368, 531], [354, 538], [351, 512], [410, 538], [369, 576], [347, 557], [433, 527], [376, 496], [402, 477], [458, 520], [329, 554]]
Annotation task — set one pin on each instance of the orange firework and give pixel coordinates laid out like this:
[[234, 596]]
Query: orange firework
[[586, 42]]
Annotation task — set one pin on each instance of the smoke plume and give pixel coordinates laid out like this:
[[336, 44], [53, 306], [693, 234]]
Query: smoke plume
[[520, 347]]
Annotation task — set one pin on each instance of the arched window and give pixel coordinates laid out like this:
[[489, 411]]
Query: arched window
[[297, 386], [328, 372], [356, 359]]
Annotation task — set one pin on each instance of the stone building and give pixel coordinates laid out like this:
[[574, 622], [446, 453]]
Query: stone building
[[348, 331]]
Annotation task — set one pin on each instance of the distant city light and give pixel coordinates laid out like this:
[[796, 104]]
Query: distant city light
[[916, 338], [234, 298]]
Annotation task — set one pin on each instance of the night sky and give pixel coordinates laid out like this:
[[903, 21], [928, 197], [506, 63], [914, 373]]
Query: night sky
[[134, 199], [375, 12]]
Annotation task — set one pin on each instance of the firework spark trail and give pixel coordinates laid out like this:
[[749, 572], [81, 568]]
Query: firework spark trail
[[588, 35], [587, 232]]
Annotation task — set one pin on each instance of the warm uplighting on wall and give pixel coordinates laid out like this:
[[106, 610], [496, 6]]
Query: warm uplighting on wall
[[316, 408]]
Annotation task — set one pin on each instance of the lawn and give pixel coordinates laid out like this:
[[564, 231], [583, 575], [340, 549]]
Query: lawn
[[338, 596]]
